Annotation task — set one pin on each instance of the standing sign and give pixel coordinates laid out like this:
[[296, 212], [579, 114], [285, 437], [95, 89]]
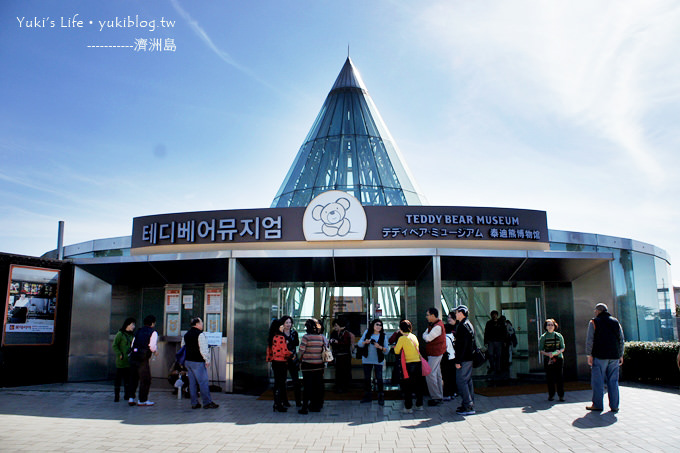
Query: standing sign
[[31, 307]]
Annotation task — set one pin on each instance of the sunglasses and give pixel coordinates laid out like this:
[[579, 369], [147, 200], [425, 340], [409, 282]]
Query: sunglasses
[[550, 324]]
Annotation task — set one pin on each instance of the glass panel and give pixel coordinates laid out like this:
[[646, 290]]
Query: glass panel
[[196, 310], [653, 298], [665, 296], [516, 303]]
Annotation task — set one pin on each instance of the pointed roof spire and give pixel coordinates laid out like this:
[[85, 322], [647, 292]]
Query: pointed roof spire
[[349, 77], [349, 148]]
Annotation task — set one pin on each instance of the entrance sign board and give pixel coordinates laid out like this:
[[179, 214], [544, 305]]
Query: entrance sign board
[[445, 224]]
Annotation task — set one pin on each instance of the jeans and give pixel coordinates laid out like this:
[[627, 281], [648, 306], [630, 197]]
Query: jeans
[[464, 382], [605, 370], [378, 377], [413, 384], [198, 379], [435, 384]]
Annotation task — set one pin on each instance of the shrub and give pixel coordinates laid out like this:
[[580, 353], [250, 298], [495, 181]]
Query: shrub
[[651, 362]]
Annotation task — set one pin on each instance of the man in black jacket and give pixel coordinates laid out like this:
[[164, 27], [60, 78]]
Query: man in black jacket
[[604, 347], [464, 347]]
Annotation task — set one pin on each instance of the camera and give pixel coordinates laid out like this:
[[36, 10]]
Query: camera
[[372, 341]]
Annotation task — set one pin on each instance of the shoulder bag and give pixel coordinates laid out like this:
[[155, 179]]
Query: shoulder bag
[[326, 354], [423, 363], [478, 357]]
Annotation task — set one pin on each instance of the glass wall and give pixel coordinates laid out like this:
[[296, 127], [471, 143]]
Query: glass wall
[[642, 292]]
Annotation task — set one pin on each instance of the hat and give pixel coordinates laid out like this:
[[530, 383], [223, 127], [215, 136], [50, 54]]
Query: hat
[[463, 309]]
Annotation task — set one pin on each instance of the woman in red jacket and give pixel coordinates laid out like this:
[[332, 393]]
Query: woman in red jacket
[[278, 354]]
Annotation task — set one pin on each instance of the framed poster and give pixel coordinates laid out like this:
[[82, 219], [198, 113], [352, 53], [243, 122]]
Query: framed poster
[[172, 300], [31, 306], [213, 300], [172, 326], [212, 323]]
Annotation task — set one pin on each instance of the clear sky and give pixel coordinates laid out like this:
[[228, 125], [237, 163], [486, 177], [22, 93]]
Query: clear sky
[[568, 107]]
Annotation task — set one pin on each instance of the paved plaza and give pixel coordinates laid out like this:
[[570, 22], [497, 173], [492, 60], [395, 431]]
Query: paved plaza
[[83, 417]]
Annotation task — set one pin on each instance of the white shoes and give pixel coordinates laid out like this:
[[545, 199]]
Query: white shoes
[[145, 403]]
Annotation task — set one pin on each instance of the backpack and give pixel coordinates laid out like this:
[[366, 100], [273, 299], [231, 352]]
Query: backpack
[[181, 355]]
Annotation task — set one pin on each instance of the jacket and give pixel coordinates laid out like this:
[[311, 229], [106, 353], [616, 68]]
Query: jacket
[[605, 337], [465, 342], [278, 351], [437, 346], [191, 340], [121, 347]]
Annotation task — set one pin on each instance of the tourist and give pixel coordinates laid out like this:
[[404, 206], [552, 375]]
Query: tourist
[[551, 347]]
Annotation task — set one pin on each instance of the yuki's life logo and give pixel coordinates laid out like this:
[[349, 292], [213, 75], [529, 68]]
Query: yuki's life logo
[[334, 216]]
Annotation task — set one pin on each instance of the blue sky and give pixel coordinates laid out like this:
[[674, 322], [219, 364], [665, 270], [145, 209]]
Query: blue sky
[[567, 107]]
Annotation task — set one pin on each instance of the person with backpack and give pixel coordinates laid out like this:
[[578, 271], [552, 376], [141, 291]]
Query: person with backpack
[[143, 346], [121, 347], [197, 363], [464, 347]]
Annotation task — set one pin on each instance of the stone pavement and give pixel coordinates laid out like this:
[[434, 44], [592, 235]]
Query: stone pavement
[[83, 417]]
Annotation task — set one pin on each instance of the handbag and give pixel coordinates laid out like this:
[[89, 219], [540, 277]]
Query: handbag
[[326, 354], [423, 363], [478, 357]]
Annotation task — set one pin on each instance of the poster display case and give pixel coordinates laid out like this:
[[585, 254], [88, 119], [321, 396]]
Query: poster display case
[[31, 306]]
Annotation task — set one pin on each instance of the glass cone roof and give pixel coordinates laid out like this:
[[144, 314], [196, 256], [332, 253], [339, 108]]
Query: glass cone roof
[[349, 148]]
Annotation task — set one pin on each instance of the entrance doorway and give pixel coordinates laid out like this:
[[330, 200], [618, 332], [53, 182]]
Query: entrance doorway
[[357, 304], [519, 302]]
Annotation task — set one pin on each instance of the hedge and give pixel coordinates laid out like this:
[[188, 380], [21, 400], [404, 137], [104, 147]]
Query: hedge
[[651, 362]]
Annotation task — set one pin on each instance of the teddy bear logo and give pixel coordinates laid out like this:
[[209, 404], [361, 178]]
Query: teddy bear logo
[[333, 217]]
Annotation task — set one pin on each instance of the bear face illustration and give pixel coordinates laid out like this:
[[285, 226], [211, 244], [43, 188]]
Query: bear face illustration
[[333, 217]]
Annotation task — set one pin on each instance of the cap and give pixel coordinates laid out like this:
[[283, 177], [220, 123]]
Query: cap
[[463, 309]]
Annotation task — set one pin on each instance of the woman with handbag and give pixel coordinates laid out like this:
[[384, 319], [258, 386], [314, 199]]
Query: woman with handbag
[[551, 347], [311, 349], [293, 364], [412, 372], [277, 355], [374, 341]]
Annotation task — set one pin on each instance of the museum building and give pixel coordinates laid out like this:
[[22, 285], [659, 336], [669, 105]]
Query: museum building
[[348, 235]]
